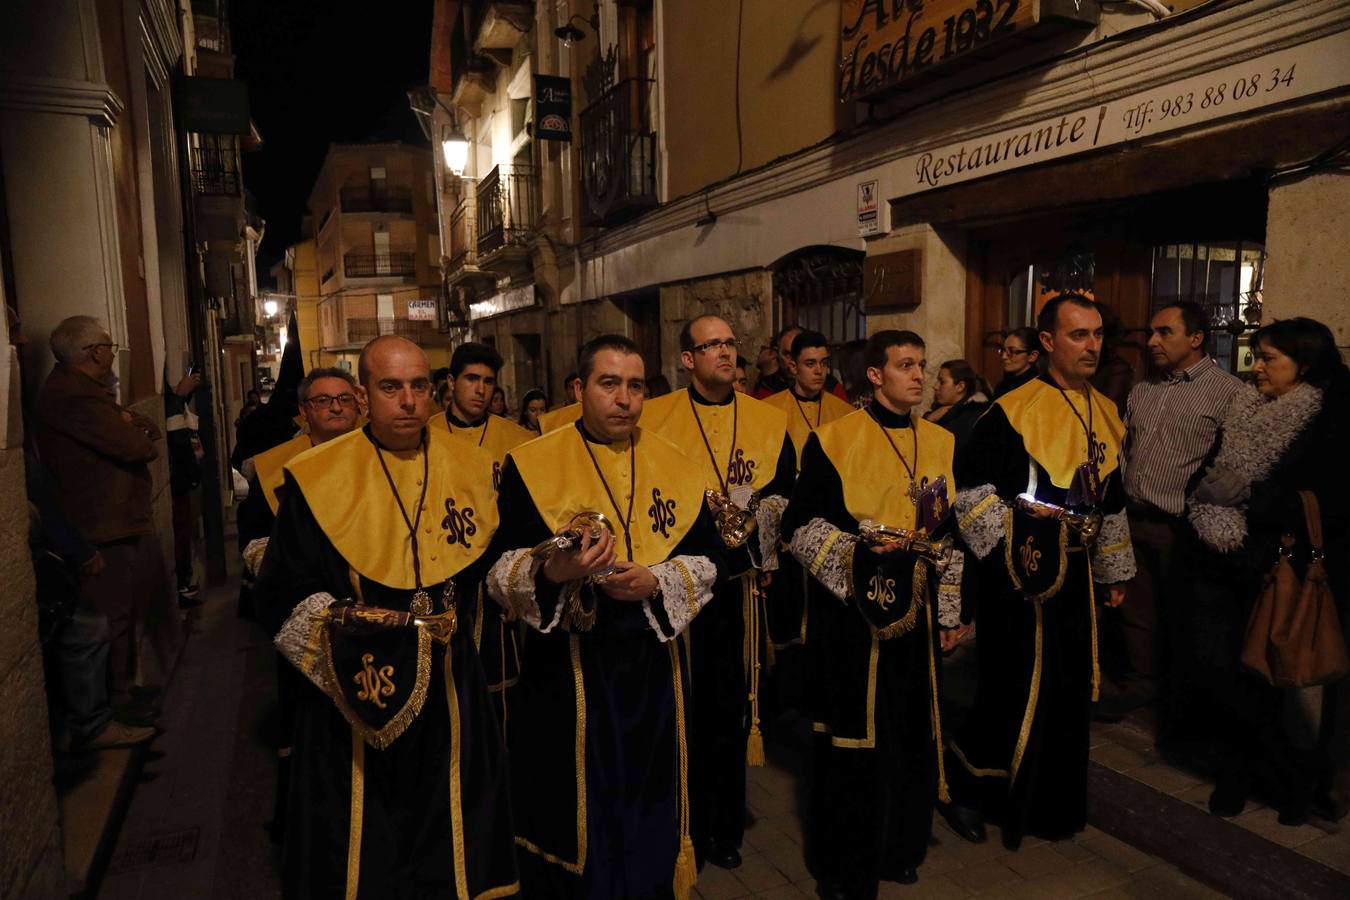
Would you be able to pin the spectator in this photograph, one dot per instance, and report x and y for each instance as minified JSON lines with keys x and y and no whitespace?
{"x":959,"y":399}
{"x":1020,"y":353}
{"x":766,"y":363}
{"x":657,"y":386}
{"x":740,"y":383}
{"x":185,"y":474}
{"x":443,"y":395}
{"x":99,"y":454}
{"x":1172,"y":424}
{"x":497,"y":406}
{"x":532,"y":406}
{"x":571,"y":389}
{"x":782,"y":378}
{"x":1287,"y":436}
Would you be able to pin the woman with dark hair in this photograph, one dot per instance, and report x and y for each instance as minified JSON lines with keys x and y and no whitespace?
{"x":1020,"y":352}
{"x":532,"y":406}
{"x":497,"y":406}
{"x":1286,"y":436}
{"x":959,"y":399}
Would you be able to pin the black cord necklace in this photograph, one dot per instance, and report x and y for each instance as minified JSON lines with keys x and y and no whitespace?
{"x":421,"y":602}
{"x":820,"y":401}
{"x":1087,"y":424}
{"x":912,"y":472}
{"x":731,"y":454}
{"x":481,"y":437}
{"x":632,"y":489}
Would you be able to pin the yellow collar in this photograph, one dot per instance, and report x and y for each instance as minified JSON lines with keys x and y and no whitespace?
{"x":804,"y":416}
{"x":557,"y":418}
{"x":759,"y":430}
{"x":268,"y":466}
{"x":1053,"y":432}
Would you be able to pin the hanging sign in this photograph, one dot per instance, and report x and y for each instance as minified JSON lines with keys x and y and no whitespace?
{"x":869,"y":208}
{"x":421,"y":310}
{"x":552,"y":108}
{"x":883,"y":43}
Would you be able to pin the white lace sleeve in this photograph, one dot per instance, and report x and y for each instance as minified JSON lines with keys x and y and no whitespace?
{"x":827,"y":554}
{"x":298,"y":639}
{"x":510,"y":581}
{"x":1113,"y":555}
{"x":253,"y":555}
{"x":686,"y":587}
{"x":770,"y":518}
{"x":949,"y":591}
{"x":979,"y":514}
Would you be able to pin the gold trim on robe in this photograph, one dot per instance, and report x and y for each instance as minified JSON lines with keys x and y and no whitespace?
{"x":1053,"y":435}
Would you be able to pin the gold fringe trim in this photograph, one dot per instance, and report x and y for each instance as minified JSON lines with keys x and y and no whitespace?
{"x":456,"y":797}
{"x":686,"y":870}
{"x":358,"y":815}
{"x":383,"y":737}
{"x":917,"y":598}
{"x":754,"y":743}
{"x":1032,"y":696}
{"x":1012,"y":571}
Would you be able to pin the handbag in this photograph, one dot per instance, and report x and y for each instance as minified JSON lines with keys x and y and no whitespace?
{"x":1294,"y":636}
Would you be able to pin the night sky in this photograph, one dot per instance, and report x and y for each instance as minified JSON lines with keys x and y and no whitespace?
{"x":320,"y":72}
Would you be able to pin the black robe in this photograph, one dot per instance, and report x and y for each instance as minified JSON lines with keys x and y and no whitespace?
{"x":410,"y":847}
{"x":613,"y":683}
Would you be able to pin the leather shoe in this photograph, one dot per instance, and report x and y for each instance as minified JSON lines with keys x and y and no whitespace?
{"x":965,"y":821}
{"x":723,"y":856}
{"x":1228,"y":799}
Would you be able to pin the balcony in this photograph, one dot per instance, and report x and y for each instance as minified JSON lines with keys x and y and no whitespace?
{"x":215,"y":172}
{"x":499,"y":24}
{"x":361,"y":331}
{"x":618,"y":154}
{"x":507,"y":213}
{"x":393,"y":264}
{"x":463,"y":265}
{"x":377,"y":199}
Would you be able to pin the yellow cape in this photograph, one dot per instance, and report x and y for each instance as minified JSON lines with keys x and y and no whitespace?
{"x":876,"y":484}
{"x":804,"y":416}
{"x":268,"y":466}
{"x":496,"y":437}
{"x":557,"y":418}
{"x":759,"y":435}
{"x":346,"y":489}
{"x":666,"y":500}
{"x":1053,"y":434}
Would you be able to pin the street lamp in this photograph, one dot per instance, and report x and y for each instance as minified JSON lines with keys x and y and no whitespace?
{"x":569,"y":34}
{"x":455,"y":146}
{"x":270,"y":307}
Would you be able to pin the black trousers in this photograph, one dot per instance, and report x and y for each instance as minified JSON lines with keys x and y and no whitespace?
{"x":720,"y":723}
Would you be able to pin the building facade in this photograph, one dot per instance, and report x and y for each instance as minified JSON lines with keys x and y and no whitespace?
{"x":376,"y":250}
{"x":943,"y":166}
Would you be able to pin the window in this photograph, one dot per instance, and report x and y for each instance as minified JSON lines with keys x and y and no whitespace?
{"x":1225,"y":278}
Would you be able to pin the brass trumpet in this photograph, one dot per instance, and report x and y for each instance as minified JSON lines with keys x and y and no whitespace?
{"x":937,"y":552}
{"x":734,"y":514}
{"x":590,"y":522}
{"x":1087,"y":527}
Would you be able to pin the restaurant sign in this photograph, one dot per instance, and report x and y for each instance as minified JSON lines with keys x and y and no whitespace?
{"x":884,"y":43}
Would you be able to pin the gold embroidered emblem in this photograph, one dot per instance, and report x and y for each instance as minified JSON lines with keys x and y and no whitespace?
{"x":374,"y":682}
{"x":1031,"y":557}
{"x":881,"y":591}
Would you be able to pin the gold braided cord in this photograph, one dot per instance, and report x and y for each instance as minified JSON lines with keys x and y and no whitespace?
{"x":358,"y":815}
{"x":686,"y":873}
{"x":977,"y":772}
{"x":1032,"y":696}
{"x":976,"y":511}
{"x":690,"y":588}
{"x":478,"y":622}
{"x":754,"y":752}
{"x":456,"y":797}
{"x":936,"y":712}
{"x":1092,"y":615}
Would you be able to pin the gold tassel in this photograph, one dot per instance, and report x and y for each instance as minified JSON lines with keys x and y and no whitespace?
{"x":1092,"y":614}
{"x":754,"y":747}
{"x":686,"y":871}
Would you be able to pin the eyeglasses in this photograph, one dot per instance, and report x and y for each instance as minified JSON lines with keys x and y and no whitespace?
{"x":729,"y":343}
{"x":1011,"y":351}
{"x":327,"y":400}
{"x":111,"y":347}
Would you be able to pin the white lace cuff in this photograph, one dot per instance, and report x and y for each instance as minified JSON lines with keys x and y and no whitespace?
{"x":827,"y":554}
{"x":686,"y":587}
{"x":770,"y":519}
{"x":949,"y":591}
{"x":510,"y":581}
{"x":298,"y":639}
{"x":979,"y":514}
{"x":253,"y":555}
{"x":1113,"y":555}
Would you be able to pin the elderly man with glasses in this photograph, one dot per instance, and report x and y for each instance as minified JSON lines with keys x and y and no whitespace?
{"x":99,"y":454}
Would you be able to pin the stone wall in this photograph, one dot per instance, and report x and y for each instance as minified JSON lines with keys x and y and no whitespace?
{"x":1307,"y":232}
{"x":743,"y":299}
{"x":30,"y":832}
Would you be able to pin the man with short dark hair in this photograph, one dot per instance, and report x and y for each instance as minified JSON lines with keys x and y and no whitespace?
{"x":1042,"y":505}
{"x":1173,"y":421}
{"x":745,"y":456}
{"x":570,"y":409}
{"x":368,"y":585}
{"x":599,"y":736}
{"x":781,"y":377}
{"x":877,"y":618}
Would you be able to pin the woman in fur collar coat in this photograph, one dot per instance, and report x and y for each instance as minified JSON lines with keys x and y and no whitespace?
{"x":1291,"y":434}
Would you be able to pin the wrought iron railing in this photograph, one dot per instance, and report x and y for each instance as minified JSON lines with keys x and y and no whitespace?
{"x":618,"y":153}
{"x":361,"y":330}
{"x":507,"y":207}
{"x":376,"y":198}
{"x":375,"y":265}
{"x":215,"y":171}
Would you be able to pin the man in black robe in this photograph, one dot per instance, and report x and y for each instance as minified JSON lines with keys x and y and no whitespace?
{"x":873,"y":634}
{"x":399,"y":780}
{"x":1050,"y":446}
{"x":598,"y":738}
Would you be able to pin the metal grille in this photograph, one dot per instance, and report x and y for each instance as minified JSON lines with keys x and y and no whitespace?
{"x":618,"y":153}
{"x":1223,"y":277}
{"x":508,"y":207}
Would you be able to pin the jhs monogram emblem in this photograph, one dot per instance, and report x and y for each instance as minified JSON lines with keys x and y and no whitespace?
{"x":496,"y":476}
{"x":459,"y":524}
{"x":741,"y":470}
{"x":662,"y":513}
{"x":374,"y":682}
{"x":1097,"y":450}
{"x":1031,"y":557}
{"x":882,"y":591}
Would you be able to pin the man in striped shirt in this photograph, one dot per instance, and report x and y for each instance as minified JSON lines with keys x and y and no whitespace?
{"x":1172,"y":425}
